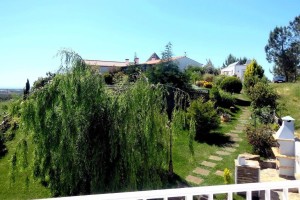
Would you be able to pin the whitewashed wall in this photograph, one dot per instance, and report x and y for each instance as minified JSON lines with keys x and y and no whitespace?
{"x":184,"y":62}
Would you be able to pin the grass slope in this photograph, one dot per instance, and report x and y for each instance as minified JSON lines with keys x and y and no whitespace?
{"x":17,"y":190}
{"x":184,"y":164}
{"x":290,"y":98}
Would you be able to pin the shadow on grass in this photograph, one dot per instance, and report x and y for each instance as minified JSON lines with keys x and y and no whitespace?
{"x":242,"y":102}
{"x":174,"y":181}
{"x":214,"y":138}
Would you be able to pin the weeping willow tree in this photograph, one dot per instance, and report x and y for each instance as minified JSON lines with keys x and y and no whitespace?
{"x":87,"y":140}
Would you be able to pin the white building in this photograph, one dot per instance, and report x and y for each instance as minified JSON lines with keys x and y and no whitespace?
{"x":235,"y":69}
{"x":182,"y":61}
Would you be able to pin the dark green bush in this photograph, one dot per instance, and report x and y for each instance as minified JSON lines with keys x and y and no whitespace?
{"x":205,"y":116}
{"x":214,"y":95}
{"x":108,"y":78}
{"x":227,"y":100}
{"x":231,"y":84}
{"x":3,"y":149}
{"x":218,"y":80}
{"x":261,"y":140}
{"x":263,"y":95}
{"x":221,"y":98}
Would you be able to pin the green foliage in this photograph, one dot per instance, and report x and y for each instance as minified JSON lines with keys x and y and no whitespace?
{"x":194,"y":73}
{"x":254,"y":69}
{"x":42,"y":81}
{"x":209,"y":68}
{"x":3,"y":149}
{"x":221,"y":98}
{"x":231,"y":84}
{"x":218,"y":80}
{"x":133,"y":72}
{"x":108,"y":78}
{"x":89,"y":140}
{"x":168,"y":74}
{"x":205,"y":116}
{"x":253,"y":74}
{"x":227,"y":100}
{"x":283,"y":49}
{"x":264,"y":114}
{"x":208,"y":84}
{"x":232,"y":59}
{"x":227,"y":176}
{"x":26,"y":90}
{"x":208,"y":77}
{"x":261,"y":140}
{"x":263,"y":95}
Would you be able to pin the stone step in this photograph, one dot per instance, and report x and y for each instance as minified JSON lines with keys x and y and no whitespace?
{"x":223,"y":153}
{"x":216,"y":158}
{"x":201,"y":171}
{"x":236,"y":131}
{"x":235,"y":145}
{"x":208,"y":164}
{"x":219,"y":173}
{"x":194,"y":179}
{"x":229,"y":149}
{"x":236,"y":139}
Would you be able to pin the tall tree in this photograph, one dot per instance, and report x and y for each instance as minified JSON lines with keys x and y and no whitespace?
{"x":167,"y":53}
{"x":283,"y":49}
{"x":253,"y":74}
{"x":229,"y":60}
{"x":232,"y":59}
{"x":209,"y":68}
{"x":26,"y":90}
{"x":88,"y":140}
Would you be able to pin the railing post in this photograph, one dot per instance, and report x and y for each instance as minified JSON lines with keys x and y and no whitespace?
{"x":229,"y":196}
{"x":189,"y":197}
{"x":267,"y":194}
{"x":285,"y":194}
{"x":249,"y":195}
{"x":211,"y":196}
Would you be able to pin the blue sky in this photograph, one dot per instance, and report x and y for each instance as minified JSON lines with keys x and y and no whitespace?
{"x":33,"y":31}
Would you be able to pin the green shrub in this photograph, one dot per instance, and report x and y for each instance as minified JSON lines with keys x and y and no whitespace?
{"x":227,"y":100}
{"x":218,"y":80}
{"x":205,"y":116}
{"x":227,"y":176}
{"x":214,"y":95}
{"x":261,"y":140}
{"x":263,"y":95}
{"x":231,"y":84}
{"x":208,"y":77}
{"x":208,"y":84}
{"x":108,"y":78}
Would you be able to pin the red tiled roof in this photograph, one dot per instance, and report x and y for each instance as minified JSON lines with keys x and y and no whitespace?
{"x":106,"y":63}
{"x":151,"y":62}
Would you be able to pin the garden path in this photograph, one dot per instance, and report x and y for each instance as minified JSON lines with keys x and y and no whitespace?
{"x":207,"y":167}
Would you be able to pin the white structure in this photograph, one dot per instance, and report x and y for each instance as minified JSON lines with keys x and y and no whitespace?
{"x":106,"y":66}
{"x":235,"y":69}
{"x":190,"y":193}
{"x":182,"y":61}
{"x":288,"y":150}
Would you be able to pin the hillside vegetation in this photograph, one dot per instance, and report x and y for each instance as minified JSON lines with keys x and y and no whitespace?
{"x":290,"y":100}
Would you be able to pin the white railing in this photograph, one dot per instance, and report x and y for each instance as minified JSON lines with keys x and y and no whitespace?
{"x":209,"y":191}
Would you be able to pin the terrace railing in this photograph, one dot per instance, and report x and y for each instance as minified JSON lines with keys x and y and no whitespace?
{"x":264,"y":188}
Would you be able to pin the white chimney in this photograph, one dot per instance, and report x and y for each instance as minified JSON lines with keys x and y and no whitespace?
{"x":127,"y":61}
{"x":136,"y":60}
{"x":286,"y":130}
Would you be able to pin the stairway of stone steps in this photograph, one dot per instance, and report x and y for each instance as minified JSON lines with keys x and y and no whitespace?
{"x":205,"y":168}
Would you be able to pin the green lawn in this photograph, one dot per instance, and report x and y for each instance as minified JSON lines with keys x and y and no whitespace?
{"x":290,"y":97}
{"x":17,"y":190}
{"x":184,"y":163}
